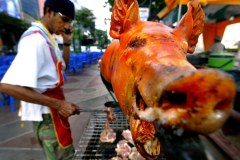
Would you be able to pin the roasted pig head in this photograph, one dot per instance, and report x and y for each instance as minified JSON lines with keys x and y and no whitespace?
{"x":155,"y":84}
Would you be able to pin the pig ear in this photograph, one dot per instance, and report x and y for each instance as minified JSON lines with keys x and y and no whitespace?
{"x":125,"y":13}
{"x":132,"y":16}
{"x":190,"y":26}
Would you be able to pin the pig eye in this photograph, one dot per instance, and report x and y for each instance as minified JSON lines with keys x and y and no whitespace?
{"x":137,"y":42}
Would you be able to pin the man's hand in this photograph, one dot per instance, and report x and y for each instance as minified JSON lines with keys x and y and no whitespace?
{"x":67,"y":109}
{"x":64,"y":108}
{"x":67,"y":36}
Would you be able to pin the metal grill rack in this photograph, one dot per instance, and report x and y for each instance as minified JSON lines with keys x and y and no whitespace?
{"x":90,"y":147}
{"x":173,"y":147}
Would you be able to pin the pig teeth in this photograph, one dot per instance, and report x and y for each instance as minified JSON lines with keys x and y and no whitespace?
{"x":179,"y":131}
{"x":150,"y":114}
{"x":152,"y":147}
{"x":183,"y":121}
{"x":135,"y":111}
{"x":196,"y":109}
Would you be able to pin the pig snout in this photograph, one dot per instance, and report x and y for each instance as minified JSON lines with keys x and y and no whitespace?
{"x":198,"y":101}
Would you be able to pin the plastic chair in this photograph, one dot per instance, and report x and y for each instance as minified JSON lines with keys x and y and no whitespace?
{"x":11,"y":103}
{"x":85,"y":59}
{"x":64,"y":76}
{"x":8,"y":59}
{"x":7,"y":100}
{"x":1,"y":101}
{"x":79,"y":62}
{"x":3,"y":70}
{"x":72,"y":63}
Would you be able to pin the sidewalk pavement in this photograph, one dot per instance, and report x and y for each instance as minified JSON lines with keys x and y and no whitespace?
{"x":84,"y":89}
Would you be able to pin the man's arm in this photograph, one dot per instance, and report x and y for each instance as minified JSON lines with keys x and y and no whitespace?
{"x":66,"y":54}
{"x":64,"y":108}
{"x":67,"y":38}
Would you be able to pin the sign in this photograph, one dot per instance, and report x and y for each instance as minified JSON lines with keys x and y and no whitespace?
{"x":11,"y":7}
{"x":144,"y":13}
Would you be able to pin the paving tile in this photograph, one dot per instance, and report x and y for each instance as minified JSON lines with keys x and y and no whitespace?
{"x":13,"y":129}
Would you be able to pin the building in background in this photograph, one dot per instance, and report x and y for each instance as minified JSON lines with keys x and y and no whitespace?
{"x":30,"y":10}
{"x":15,"y":18}
{"x":41,"y":4}
{"x":11,"y":8}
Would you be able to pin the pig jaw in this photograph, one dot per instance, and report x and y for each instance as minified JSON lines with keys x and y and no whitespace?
{"x":198,"y":102}
{"x":143,"y":134}
{"x":148,"y":88}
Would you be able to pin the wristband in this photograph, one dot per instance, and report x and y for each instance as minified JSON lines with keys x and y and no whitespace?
{"x":66,"y":44}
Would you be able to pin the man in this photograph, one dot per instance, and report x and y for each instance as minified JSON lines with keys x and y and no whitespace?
{"x":35,"y":77}
{"x":217,"y":47}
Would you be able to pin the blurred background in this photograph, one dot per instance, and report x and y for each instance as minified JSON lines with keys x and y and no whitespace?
{"x":93,"y":21}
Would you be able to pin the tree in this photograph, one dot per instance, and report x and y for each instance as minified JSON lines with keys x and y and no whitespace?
{"x":102,"y":39}
{"x":86,"y":31}
{"x":85,"y":22}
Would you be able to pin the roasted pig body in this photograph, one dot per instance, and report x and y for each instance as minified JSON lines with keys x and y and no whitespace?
{"x":153,"y":81}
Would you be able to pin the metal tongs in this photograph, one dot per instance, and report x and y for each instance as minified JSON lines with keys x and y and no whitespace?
{"x":112,"y":104}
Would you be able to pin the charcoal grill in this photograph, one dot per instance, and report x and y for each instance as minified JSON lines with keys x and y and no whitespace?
{"x":90,"y":147}
{"x":201,"y":148}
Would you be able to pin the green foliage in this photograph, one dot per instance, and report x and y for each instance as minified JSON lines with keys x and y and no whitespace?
{"x":86,"y":19}
{"x":111,"y":2}
{"x":85,"y":22}
{"x":102,"y":39}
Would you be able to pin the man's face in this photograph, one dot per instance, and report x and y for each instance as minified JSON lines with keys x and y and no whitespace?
{"x":61,"y":23}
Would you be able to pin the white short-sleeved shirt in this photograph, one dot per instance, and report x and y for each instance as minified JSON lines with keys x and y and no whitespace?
{"x":33,"y":67}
